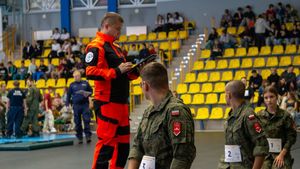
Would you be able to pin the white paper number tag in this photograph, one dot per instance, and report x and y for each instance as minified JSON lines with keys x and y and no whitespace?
{"x":246,"y":93}
{"x":274,"y":145}
{"x":148,"y":162}
{"x":232,"y":154}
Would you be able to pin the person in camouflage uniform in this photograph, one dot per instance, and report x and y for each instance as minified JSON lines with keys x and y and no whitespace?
{"x":166,"y":131}
{"x":33,"y":99}
{"x":277,"y":124}
{"x":245,"y":141}
{"x":2,"y":118}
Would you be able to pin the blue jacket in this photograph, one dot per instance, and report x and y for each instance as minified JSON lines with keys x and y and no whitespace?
{"x":74,"y":95}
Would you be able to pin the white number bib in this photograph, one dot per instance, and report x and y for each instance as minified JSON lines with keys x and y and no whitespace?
{"x":148,"y":162}
{"x":232,"y":153}
{"x":274,"y":145}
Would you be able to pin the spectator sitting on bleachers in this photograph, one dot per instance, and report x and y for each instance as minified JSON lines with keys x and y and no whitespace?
{"x":144,"y":52}
{"x":66,"y":48}
{"x":255,"y":80}
{"x":249,"y":92}
{"x":178,"y":21}
{"x":79,"y":66}
{"x":291,"y":14}
{"x":282,"y":87}
{"x":271,"y":11}
{"x":55,"y":34}
{"x":261,"y":89}
{"x":249,"y":13}
{"x":12,"y":71}
{"x":32,"y":67}
{"x":260,"y":30}
{"x":226,"y":40}
{"x":124,"y":51}
{"x":41,"y":71}
{"x":160,"y":21}
{"x":55,"y":74}
{"x":37,"y":50}
{"x":216,"y":50}
{"x":50,"y":70}
{"x":226,"y":18}
{"x":169,"y":23}
{"x":27,"y":51}
{"x":55,"y":50}
{"x":64,"y":34}
{"x":272,"y":20}
{"x":75,"y":47}
{"x":295,"y":34}
{"x":133,"y":51}
{"x":289,"y":75}
{"x":272,"y":36}
{"x":273,"y":79}
{"x":246,"y":38}
{"x":280,"y":12}
{"x":211,"y":38}
{"x":290,"y":104}
{"x":151,"y":49}
{"x":3,"y":72}
{"x":22,"y":71}
{"x":284,"y":36}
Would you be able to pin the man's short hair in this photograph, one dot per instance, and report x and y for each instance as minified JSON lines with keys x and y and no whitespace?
{"x":253,"y":71}
{"x":112,"y":18}
{"x":156,"y":75}
{"x":16,"y":83}
{"x":237,"y":89}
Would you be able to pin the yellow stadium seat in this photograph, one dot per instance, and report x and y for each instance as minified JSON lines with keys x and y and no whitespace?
{"x":194,"y":88}
{"x":41,"y":83}
{"x":60,"y":91}
{"x":219,"y":87}
{"x":220,"y":31}
{"x":69,"y":81}
{"x":239,"y":74}
{"x":289,"y":26}
{"x":227,"y":76}
{"x":241,"y":29}
{"x":229,"y":52}
{"x":246,"y":63}
{"x":290,"y":49}
{"x":216,"y":113}
{"x":231,"y":30}
{"x":277,"y":50}
{"x":10,"y":84}
{"x":214,"y":77}
{"x":202,"y":113}
{"x":193,"y":111}
{"x":161,"y":36}
{"x":198,"y":99}
{"x":227,"y":110}
{"x":255,"y":98}
{"x":202,"y":77}
{"x":152,"y":36}
{"x":61,"y":82}
{"x":241,"y":52}
{"x":122,"y":38}
{"x":280,"y":71}
{"x":91,"y":82}
{"x":296,"y":61}
{"x":47,"y":43}
{"x":234,"y":64}
{"x":285,"y":61}
{"x":296,"y":71}
{"x":27,"y":62}
{"x":211,"y":98}
{"x":22,"y":84}
{"x":253,"y":51}
{"x":136,"y":81}
{"x":17,"y":63}
{"x":164,"y":45}
{"x":198,"y":65}
{"x":265,"y":50}
{"x":205,"y":54}
{"x":50,"y":82}
{"x":132,"y":38}
{"x":181,"y":88}
{"x":142,"y":37}
{"x":222,"y":99}
{"x":272,"y":62}
{"x":190,"y":77}
{"x":137,"y":91}
{"x":55,"y":61}
{"x":265,"y":73}
{"x":206,"y":88}
{"x":37,"y":62}
{"x":46,"y":52}
{"x":175,"y":45}
{"x":211,"y":64}
{"x":85,"y":40}
{"x":187,"y":98}
{"x":183,"y":34}
{"x":222,"y":64}
{"x":259,"y":62}
{"x":173,"y":35}
{"x":257,"y":109}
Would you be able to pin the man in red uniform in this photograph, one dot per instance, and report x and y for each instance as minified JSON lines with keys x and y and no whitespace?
{"x":107,"y":66}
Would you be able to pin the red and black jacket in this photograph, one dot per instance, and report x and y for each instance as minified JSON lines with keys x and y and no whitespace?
{"x":103,"y":58}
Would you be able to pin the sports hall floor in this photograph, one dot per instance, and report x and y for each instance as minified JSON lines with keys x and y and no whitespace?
{"x":209,"y":147}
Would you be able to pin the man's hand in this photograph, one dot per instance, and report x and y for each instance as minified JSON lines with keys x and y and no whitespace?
{"x":124,"y":67}
{"x":279,"y":161}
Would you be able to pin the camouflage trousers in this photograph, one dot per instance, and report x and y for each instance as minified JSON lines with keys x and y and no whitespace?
{"x":268,"y":163}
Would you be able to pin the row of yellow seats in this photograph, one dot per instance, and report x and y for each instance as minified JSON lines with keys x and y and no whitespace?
{"x":244,"y":63}
{"x":168,"y":45}
{"x":226,"y":76}
{"x":216,"y":113}
{"x":254,"y":51}
{"x":208,"y":99}
{"x":205,"y":88}
{"x":54,"y":61}
{"x":154,"y":36}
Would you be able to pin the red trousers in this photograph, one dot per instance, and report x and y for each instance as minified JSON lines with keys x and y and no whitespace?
{"x":113,"y":135}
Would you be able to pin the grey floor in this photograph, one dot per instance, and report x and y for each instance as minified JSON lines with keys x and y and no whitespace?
{"x":209,"y":147}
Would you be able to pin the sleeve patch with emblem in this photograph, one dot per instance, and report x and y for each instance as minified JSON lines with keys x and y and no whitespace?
{"x":176,"y":128}
{"x":91,"y":58}
{"x":251,"y":117}
{"x":175,"y":113}
{"x":257,"y":127}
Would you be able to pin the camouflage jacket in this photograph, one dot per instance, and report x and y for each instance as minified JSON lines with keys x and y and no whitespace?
{"x":243,"y":128}
{"x":33,"y":98}
{"x":166,"y":133}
